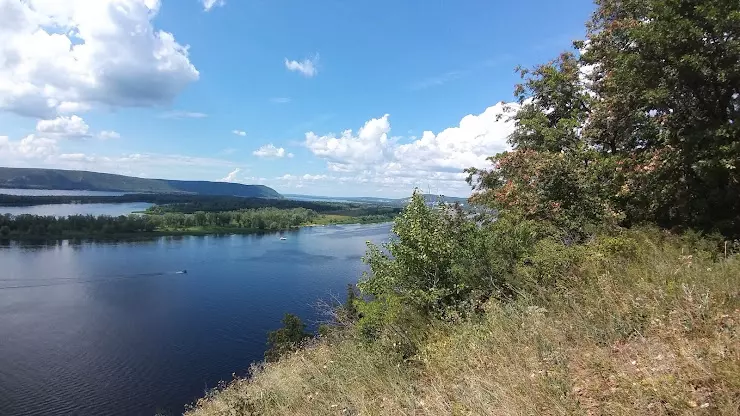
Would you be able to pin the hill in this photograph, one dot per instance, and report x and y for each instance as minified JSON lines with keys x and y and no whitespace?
{"x":31,"y":178}
{"x":644,"y":324}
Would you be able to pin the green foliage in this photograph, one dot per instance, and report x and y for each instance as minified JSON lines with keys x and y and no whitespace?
{"x":550,"y":263}
{"x":286,"y":339}
{"x":445,"y":263}
{"x":420,"y":264}
{"x":4,"y":231}
{"x":349,"y":310}
{"x":265,"y":219}
{"x":669,"y":76}
{"x":642,"y":127}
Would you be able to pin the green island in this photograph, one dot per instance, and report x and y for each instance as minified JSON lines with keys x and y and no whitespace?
{"x":606,"y":280}
{"x":177,"y":220}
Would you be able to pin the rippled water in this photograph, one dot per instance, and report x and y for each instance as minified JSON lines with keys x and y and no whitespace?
{"x":112,"y":329}
{"x":71,"y":209}
{"x":63,"y":210}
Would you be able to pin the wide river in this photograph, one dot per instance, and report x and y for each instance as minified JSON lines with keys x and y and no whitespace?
{"x":112,"y":329}
{"x":63,"y":210}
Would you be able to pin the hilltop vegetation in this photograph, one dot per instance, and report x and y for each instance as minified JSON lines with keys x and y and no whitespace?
{"x":393,"y":202}
{"x":608,"y":281}
{"x":244,"y":221}
{"x":641,"y":323}
{"x":25,"y":178}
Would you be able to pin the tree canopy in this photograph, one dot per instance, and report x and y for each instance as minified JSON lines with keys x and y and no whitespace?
{"x":640,"y":125}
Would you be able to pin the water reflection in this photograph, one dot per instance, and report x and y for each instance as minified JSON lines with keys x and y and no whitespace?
{"x":111,"y":328}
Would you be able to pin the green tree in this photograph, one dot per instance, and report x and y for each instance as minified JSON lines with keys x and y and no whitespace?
{"x":4,"y":231}
{"x":552,"y":173}
{"x":642,"y":127}
{"x":429,"y":263}
{"x":286,"y":339}
{"x":668,"y":80}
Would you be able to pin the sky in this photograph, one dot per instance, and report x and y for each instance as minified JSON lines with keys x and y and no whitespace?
{"x":330,"y":97}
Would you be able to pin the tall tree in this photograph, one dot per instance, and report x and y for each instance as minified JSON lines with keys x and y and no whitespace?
{"x":667,"y":77}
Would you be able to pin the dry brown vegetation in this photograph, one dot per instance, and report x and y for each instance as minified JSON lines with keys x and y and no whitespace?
{"x":651,"y":329}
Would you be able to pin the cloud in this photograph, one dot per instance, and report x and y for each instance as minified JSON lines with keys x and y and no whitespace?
{"x":309,"y":177}
{"x":307,"y":67}
{"x":239,"y":132}
{"x":63,"y":127}
{"x":210,"y":4}
{"x":30,"y":147}
{"x":179,"y":115}
{"x":70,"y":56}
{"x":108,"y":134}
{"x":369,"y":146}
{"x":270,"y":151}
{"x":433,"y":160}
{"x":280,"y":100}
{"x":76,"y":157}
{"x":231,"y":177}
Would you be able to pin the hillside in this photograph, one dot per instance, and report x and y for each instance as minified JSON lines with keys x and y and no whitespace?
{"x":641,"y":324}
{"x":395,"y":202}
{"x":25,"y":178}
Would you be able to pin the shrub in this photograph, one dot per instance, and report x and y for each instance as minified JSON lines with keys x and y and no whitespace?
{"x":286,"y":339}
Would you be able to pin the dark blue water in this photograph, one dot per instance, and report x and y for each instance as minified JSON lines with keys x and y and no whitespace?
{"x":63,"y":210}
{"x":112,"y":329}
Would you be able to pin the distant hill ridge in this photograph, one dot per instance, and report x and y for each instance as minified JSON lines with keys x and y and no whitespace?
{"x":430,"y":198}
{"x":59,"y":179}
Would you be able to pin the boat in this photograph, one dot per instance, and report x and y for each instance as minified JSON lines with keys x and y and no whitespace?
{"x":283,"y":238}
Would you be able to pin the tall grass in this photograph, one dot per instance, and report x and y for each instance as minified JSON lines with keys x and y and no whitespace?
{"x":641,"y":324}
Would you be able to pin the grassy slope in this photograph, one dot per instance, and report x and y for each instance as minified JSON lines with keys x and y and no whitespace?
{"x":656,"y":334}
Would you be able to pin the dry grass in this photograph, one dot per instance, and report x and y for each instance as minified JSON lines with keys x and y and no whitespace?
{"x":655,"y":334}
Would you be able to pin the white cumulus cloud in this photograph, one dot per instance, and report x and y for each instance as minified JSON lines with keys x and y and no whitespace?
{"x":269,"y":150}
{"x":68,"y":56}
{"x":431,"y":161}
{"x":30,"y":147}
{"x":370,"y":145}
{"x":231,"y":177}
{"x":109,"y":134}
{"x":239,"y":132}
{"x":307,"y":67}
{"x":63,"y":126}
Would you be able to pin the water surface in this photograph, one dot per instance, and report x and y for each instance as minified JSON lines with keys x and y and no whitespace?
{"x":112,"y":328}
{"x":63,"y":210}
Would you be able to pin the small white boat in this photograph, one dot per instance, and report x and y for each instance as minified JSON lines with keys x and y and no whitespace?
{"x":283,"y":238}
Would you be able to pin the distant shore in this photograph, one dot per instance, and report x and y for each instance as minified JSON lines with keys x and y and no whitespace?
{"x":193,"y":231}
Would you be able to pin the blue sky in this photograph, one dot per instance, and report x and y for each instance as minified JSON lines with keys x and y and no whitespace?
{"x":335,"y":97}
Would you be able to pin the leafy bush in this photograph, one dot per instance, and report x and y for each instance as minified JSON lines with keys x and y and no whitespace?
{"x":286,"y":339}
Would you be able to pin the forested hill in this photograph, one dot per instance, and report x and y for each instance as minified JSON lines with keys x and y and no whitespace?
{"x":93,"y":181}
{"x":401,"y":202}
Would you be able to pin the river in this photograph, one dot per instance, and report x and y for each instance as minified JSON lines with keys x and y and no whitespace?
{"x":111,"y":328}
{"x":63,"y":210}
